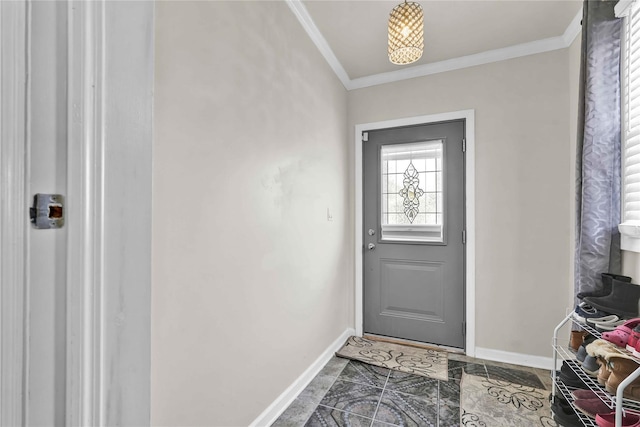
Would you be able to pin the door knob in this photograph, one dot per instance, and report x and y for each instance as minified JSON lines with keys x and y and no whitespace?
{"x":371,"y":246}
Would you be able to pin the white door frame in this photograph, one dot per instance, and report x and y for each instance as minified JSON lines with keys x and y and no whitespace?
{"x":470,"y":285}
{"x":13,"y":209}
{"x":107,"y":212}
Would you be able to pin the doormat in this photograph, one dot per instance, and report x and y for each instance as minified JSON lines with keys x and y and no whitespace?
{"x":420,"y":361}
{"x":489,"y":402}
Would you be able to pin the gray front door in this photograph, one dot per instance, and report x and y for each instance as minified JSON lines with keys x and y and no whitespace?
{"x":413,"y":219}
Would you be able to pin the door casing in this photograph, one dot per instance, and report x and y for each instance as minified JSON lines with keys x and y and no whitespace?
{"x":469,"y":117}
{"x":13,"y":209}
{"x":107,"y":211}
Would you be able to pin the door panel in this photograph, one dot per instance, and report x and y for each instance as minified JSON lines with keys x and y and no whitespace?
{"x":411,"y":290}
{"x":413,"y":219}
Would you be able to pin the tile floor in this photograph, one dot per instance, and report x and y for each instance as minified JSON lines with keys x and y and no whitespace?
{"x":350,"y":393}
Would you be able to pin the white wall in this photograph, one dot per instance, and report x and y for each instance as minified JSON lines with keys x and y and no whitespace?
{"x":250,"y":280}
{"x":522,"y":186}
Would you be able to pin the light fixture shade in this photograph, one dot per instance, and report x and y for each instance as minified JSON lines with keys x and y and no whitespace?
{"x":406,"y":33}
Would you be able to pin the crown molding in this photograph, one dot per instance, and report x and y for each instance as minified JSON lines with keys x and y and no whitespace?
{"x":300,"y":11}
{"x":517,"y":51}
{"x":574,"y":28}
{"x":487,"y":57}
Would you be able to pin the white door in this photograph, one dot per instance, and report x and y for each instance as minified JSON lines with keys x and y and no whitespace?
{"x":46,"y":292}
{"x":86,"y":353}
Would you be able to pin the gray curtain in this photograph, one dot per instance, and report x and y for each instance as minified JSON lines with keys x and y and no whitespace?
{"x":598,"y":153}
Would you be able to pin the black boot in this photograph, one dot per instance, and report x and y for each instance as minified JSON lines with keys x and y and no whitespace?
{"x":563,"y":413}
{"x":623,"y":300}
{"x":607,"y":283}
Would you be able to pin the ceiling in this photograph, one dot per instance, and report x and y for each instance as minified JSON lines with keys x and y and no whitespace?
{"x":455,"y":32}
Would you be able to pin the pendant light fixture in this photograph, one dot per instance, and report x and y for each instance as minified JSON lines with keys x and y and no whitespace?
{"x":406,"y":33}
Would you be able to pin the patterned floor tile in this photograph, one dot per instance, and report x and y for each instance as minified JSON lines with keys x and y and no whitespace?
{"x":363,"y":373}
{"x":334,"y":366}
{"x":449,"y":416}
{"x":317,"y":388}
{"x":456,"y":367}
{"x":296,"y":414}
{"x":329,"y":417}
{"x":352,"y":397}
{"x":392,"y":398}
{"x":515,"y":376}
{"x":449,"y":392}
{"x":401,"y":409}
{"x":412,"y":384}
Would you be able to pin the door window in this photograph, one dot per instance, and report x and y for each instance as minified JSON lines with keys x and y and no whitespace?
{"x":412,"y":207}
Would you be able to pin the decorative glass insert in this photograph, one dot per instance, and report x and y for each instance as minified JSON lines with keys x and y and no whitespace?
{"x":412,"y":192}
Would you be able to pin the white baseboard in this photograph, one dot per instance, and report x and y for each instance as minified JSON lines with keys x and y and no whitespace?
{"x":515,"y":358}
{"x":282,"y":402}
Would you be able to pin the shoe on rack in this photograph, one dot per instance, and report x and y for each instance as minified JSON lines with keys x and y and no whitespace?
{"x":620,"y":335}
{"x":577,"y":339}
{"x":604,"y":324}
{"x":584,"y":311}
{"x":590,"y":366}
{"x":608,"y":327}
{"x":629,"y":419}
{"x":564,"y":414}
{"x":584,"y":394}
{"x":612,"y":318}
{"x":603,"y":349}
{"x":581,"y":354}
{"x":621,"y":367}
{"x":591,"y":407}
{"x":623,"y":299}
{"x":603,"y":372}
{"x":569,"y":377}
{"x":605,"y":289}
{"x":633,"y":338}
{"x":636,"y":350}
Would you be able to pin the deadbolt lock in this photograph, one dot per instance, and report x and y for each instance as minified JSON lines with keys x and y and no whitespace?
{"x":47,"y":211}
